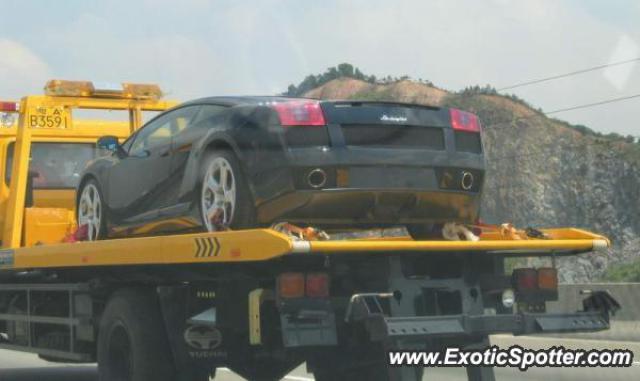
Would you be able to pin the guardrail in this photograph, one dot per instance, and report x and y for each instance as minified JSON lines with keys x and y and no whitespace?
{"x":625,"y":325}
{"x":627,"y":294}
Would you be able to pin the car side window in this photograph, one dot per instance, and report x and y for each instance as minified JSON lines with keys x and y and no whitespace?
{"x":160,"y":131}
{"x":208,"y":115}
{"x":126,"y":146}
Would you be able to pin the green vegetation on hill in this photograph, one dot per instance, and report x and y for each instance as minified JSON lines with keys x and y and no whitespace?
{"x":343,"y":70}
{"x":584,"y":130}
{"x":623,"y":272}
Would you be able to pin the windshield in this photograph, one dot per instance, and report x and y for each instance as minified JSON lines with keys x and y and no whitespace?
{"x":54,"y":165}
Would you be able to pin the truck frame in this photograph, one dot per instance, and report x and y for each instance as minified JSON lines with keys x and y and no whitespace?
{"x":261,"y":302}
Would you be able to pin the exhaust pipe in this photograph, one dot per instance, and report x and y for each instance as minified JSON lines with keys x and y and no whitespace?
{"x":316,"y":178}
{"x":467,"y":180}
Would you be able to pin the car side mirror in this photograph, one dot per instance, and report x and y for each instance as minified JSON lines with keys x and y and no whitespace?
{"x":109,"y":143}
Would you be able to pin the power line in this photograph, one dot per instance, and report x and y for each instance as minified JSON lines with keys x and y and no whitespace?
{"x":594,"y":68}
{"x":582,"y":106}
{"x":594,"y":104}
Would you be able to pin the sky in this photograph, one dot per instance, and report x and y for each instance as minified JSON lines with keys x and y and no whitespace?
{"x":196,"y":48}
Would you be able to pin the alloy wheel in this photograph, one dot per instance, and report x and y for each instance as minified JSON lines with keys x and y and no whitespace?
{"x":90,"y":211}
{"x":218,"y":197}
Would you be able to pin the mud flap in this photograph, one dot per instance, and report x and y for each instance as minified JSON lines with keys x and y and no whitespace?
{"x":309,"y":328}
{"x":195,"y":340}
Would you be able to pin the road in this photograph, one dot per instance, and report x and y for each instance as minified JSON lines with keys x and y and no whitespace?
{"x":25,"y":367}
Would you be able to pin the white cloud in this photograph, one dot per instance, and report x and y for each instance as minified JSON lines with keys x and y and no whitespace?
{"x":21,"y":70}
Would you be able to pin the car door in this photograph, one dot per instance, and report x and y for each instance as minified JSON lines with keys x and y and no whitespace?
{"x":138,"y":182}
{"x":207,"y":117}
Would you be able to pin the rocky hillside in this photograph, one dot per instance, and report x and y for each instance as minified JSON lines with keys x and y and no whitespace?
{"x":541,"y":171}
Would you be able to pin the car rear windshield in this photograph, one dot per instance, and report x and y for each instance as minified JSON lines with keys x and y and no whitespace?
{"x":54,"y":165}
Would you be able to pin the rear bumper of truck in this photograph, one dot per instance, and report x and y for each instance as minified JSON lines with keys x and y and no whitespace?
{"x":321,"y":330}
{"x":426,"y":327}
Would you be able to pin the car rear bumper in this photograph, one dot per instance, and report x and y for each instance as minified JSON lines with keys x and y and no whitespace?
{"x":365,"y":207}
{"x":371,"y":186}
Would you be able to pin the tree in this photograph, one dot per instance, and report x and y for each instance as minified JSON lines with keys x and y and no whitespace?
{"x":343,"y":70}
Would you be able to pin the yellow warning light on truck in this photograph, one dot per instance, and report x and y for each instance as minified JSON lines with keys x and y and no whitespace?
{"x":64,"y":88}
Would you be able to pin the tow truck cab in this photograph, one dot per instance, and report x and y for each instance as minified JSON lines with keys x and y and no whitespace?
{"x":59,"y":141}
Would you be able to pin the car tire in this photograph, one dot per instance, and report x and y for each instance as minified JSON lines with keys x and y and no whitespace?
{"x":132,"y":340}
{"x":91,"y":211}
{"x":225,"y":202}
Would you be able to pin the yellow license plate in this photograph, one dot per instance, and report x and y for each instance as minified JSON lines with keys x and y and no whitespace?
{"x":48,"y":117}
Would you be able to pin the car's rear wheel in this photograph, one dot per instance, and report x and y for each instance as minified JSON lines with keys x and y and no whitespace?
{"x":225,"y":199}
{"x":90,"y":211}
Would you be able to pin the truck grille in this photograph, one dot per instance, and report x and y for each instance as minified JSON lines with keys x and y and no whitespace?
{"x":394,"y":136}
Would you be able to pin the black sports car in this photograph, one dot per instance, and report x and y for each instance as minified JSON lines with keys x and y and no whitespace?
{"x":251,"y":161}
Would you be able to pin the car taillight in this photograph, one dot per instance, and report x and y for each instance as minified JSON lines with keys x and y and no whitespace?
{"x":300,"y":113}
{"x":291,"y":285}
{"x":9,"y":106}
{"x":317,"y":285}
{"x":547,"y":278}
{"x":464,"y":121}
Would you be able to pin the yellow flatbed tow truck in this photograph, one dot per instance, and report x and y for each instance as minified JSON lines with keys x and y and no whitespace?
{"x":261,"y":302}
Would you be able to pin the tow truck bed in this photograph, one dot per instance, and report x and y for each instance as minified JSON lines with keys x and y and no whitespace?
{"x":266,"y":244}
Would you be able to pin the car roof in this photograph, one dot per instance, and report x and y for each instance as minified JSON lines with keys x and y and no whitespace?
{"x":241,"y":100}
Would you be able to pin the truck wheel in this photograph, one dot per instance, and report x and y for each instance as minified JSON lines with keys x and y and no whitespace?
{"x":132,"y":342}
{"x":225,"y":198}
{"x":90,"y":211}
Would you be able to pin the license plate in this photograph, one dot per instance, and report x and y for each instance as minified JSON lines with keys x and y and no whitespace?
{"x":48,"y":117}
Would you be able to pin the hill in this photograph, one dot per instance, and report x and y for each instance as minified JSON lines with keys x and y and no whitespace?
{"x":540,"y":171}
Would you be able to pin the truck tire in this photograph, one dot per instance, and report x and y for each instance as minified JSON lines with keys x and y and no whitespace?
{"x":132,"y":341}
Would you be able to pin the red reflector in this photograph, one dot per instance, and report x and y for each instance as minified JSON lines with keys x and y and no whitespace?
{"x":291,"y":285}
{"x":464,"y":121}
{"x":300,"y":113}
{"x":317,"y":285}
{"x":547,"y":278}
{"x":526,"y":279}
{"x":8,"y":106}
